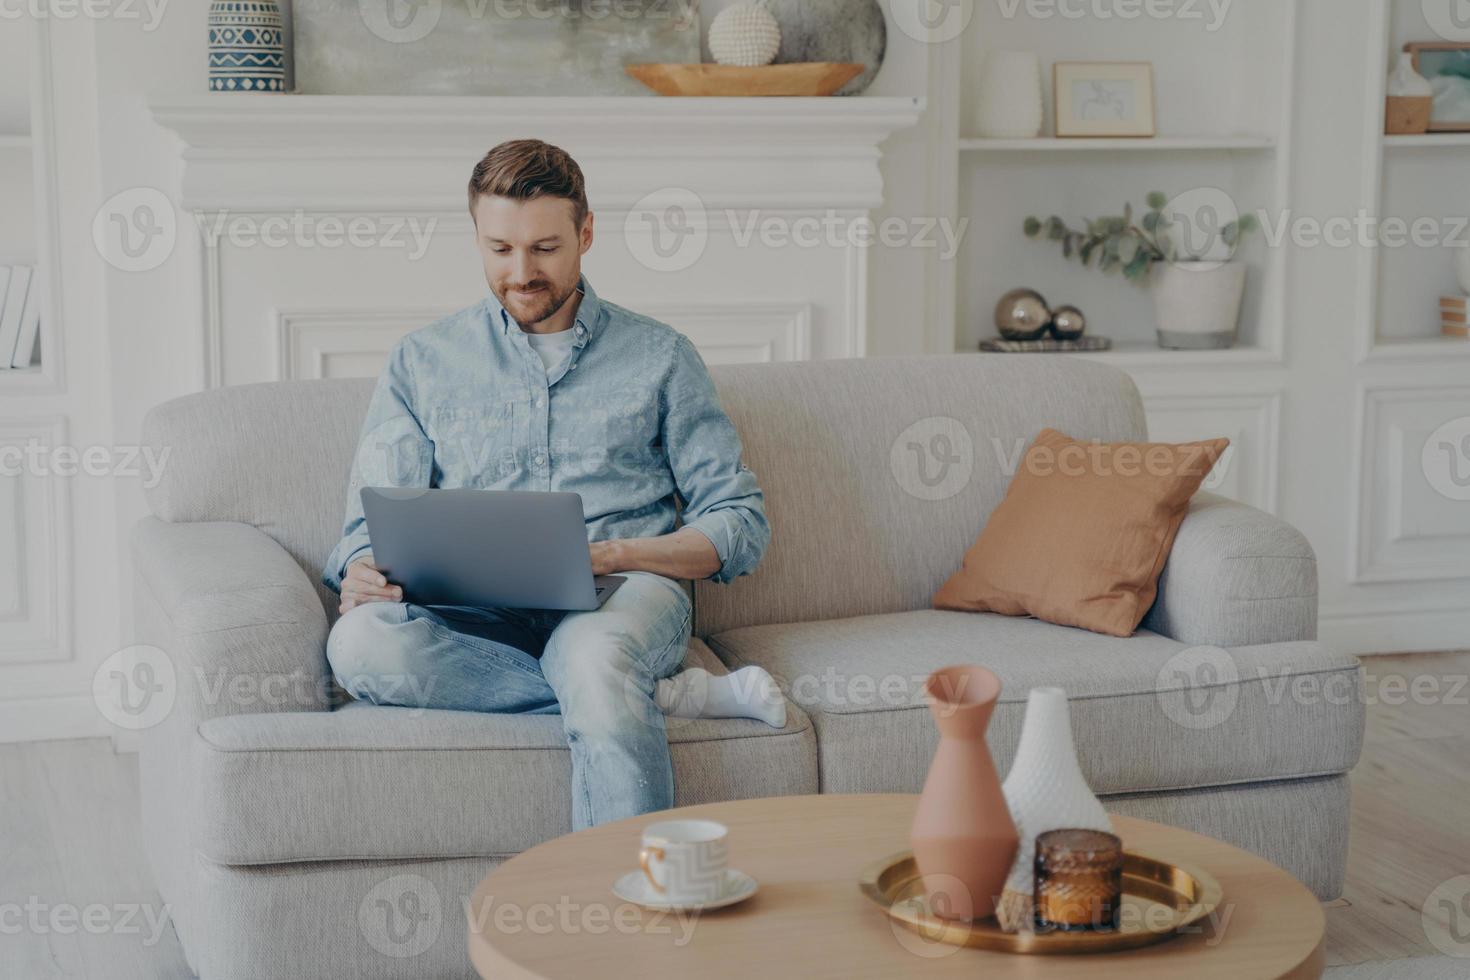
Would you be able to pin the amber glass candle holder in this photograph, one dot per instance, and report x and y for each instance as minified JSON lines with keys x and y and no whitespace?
{"x":1079,"y":880}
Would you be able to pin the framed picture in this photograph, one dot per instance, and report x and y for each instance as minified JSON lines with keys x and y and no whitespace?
{"x":1447,"y":66}
{"x":1104,"y":98}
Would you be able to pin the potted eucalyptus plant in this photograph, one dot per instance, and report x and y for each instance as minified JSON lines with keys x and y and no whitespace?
{"x":1197,"y":294}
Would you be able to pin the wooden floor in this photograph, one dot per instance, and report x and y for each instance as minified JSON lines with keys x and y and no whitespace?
{"x":70,"y":840}
{"x":1411,"y":807}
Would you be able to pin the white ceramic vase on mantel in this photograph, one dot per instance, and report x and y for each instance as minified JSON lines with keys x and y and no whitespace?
{"x":1045,"y":790}
{"x":1009,"y":102}
{"x":1197,"y":304}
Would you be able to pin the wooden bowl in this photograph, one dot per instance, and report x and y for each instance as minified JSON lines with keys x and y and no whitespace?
{"x":802,"y":79}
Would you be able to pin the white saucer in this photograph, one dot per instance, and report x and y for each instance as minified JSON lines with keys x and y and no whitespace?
{"x":634,"y":887}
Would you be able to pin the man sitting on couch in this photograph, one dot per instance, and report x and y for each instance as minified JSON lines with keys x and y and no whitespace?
{"x":495,"y":397}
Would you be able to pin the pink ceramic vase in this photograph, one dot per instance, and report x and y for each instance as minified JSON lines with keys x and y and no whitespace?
{"x":963,"y":839}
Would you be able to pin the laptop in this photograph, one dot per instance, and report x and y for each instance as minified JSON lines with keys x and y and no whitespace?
{"x":516,"y":549}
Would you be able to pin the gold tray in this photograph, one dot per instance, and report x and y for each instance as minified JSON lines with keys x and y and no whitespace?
{"x":1159,"y":900}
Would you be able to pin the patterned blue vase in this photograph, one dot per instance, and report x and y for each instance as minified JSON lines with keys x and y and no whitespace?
{"x":246,"y":49}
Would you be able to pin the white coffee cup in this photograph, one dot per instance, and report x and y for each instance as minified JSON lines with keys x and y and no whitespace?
{"x":685,"y":860}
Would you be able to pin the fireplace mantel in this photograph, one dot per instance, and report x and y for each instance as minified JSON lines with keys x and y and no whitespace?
{"x":266,"y":153}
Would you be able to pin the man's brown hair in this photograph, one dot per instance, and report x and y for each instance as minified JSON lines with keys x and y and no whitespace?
{"x":527,"y":169}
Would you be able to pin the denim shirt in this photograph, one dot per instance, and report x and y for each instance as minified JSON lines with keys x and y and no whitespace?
{"x":466,"y":402}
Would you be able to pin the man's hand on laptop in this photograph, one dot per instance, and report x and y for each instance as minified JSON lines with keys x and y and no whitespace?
{"x":364,"y":583}
{"x":682,"y":554}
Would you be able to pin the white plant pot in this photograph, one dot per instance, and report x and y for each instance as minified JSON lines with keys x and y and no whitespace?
{"x":1462,"y":265}
{"x":1197,"y":304}
{"x":1009,"y":100}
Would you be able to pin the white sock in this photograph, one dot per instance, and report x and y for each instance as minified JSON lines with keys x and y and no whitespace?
{"x":749,"y":692}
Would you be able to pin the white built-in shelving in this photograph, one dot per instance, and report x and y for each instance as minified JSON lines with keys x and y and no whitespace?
{"x":1412,"y":178}
{"x":1218,"y":128}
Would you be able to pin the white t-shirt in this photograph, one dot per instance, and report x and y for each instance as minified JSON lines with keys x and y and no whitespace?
{"x":553,"y":348}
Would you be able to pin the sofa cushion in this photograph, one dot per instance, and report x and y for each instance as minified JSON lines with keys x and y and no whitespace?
{"x":1083,"y":532}
{"x":367,"y":782}
{"x":1148,"y":713}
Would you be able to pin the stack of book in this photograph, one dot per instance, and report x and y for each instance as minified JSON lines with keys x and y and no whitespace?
{"x":20,"y":314}
{"x":1452,"y":319}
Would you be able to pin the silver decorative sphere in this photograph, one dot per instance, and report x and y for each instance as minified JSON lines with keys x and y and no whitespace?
{"x":1022,"y":314}
{"x":1068,"y":323}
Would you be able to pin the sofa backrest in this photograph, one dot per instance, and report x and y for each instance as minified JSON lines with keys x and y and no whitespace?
{"x":878,"y":473}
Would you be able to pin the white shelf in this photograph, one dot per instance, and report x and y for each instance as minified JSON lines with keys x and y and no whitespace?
{"x":408,"y":152}
{"x":1433,"y":348}
{"x":1427,"y":141}
{"x":1162,"y":144}
{"x":1143,"y":354}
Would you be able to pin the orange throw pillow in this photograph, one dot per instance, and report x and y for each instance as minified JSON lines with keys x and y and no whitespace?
{"x":1083,"y":532}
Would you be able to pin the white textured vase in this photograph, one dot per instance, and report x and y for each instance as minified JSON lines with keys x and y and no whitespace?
{"x":1009,"y":101}
{"x":1197,"y":304}
{"x":1045,"y":790}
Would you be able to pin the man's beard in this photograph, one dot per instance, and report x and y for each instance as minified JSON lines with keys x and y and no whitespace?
{"x":549,"y":302}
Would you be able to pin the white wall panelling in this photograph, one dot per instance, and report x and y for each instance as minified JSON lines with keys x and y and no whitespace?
{"x":341,"y":343}
{"x":1248,"y":471}
{"x":35,"y":543}
{"x":1408,"y":530}
{"x":348,"y":343}
{"x":739,"y":333}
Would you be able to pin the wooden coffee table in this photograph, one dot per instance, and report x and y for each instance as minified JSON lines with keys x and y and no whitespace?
{"x":550,"y":911}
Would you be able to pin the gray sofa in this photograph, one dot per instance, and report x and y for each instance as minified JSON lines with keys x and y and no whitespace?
{"x":273,"y":806}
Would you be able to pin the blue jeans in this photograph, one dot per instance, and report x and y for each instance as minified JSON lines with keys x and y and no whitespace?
{"x":597,"y":669}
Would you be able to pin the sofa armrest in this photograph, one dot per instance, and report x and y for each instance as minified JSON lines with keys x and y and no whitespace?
{"x":240,"y":622}
{"x":1236,"y":577}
